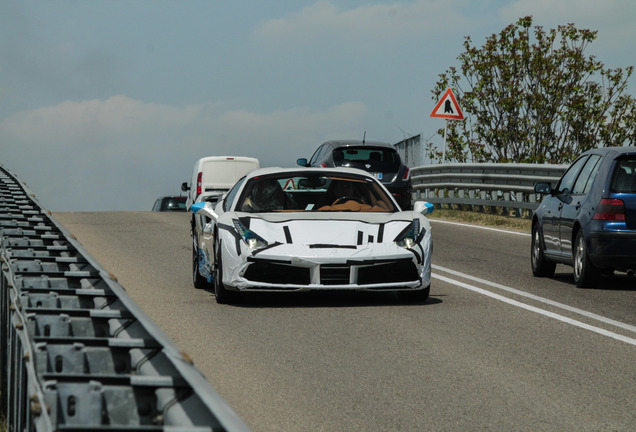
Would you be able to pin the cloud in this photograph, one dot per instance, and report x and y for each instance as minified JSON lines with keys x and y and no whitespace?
{"x":380,"y":23}
{"x":77,"y":124}
{"x":121,"y":153}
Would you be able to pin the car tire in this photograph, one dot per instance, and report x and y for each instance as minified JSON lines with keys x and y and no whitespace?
{"x":221,"y":294}
{"x":198,"y":281}
{"x":541,"y":267}
{"x":585,"y":274}
{"x":418,"y":295}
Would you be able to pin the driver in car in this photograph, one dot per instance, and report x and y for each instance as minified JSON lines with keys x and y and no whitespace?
{"x":344,"y":189}
{"x":342,"y":195}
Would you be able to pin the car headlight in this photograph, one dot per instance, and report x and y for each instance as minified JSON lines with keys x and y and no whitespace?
{"x":251,"y":239}
{"x":409,"y":236}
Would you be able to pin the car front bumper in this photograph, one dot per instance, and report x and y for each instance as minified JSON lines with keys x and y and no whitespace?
{"x":288,"y":267}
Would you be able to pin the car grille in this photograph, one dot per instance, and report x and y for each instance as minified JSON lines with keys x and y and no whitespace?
{"x":378,"y":273}
{"x":335,"y":274}
{"x":396,"y":271}
{"x":277,"y":274}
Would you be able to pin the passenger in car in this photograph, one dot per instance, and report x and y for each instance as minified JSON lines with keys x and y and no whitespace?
{"x":265,"y":195}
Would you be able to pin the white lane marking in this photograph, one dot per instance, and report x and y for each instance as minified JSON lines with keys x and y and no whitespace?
{"x":480,"y":227}
{"x":553,"y":315}
{"x":539,"y":299}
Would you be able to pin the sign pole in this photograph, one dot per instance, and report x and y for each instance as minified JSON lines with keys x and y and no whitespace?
{"x":445,"y":128}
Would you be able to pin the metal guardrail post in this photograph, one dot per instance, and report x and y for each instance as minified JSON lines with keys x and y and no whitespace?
{"x":77,"y":352}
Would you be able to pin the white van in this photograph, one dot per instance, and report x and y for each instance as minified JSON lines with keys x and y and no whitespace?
{"x":211,"y":178}
{"x":214,"y":175}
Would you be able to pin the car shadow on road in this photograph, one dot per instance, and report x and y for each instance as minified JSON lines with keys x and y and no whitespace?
{"x":327,"y":299}
{"x":616,"y":282}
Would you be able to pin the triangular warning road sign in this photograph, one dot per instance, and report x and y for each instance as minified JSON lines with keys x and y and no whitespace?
{"x":290,"y":185}
{"x":448,"y":108}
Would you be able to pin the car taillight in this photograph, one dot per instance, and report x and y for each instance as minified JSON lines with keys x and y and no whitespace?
{"x":322,"y":165}
{"x":407,"y":172}
{"x":199,"y":184}
{"x":610,"y":210}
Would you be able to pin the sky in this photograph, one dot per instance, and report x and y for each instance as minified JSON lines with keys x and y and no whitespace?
{"x":105,"y":105}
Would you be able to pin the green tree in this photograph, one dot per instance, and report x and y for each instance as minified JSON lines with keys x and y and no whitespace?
{"x":533,"y":96}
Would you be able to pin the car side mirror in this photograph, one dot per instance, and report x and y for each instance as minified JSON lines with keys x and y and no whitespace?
{"x":207,"y":228}
{"x":423,"y":207}
{"x":543,"y":188}
{"x":302,"y":162}
{"x":185,"y":187}
{"x":205,"y":209}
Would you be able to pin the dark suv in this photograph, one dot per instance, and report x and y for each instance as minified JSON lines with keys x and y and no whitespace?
{"x":588,"y":220}
{"x":378,"y":158}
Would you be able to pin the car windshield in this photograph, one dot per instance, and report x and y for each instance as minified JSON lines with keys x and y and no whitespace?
{"x":368,"y":158}
{"x":174,"y":204}
{"x":300,"y":192}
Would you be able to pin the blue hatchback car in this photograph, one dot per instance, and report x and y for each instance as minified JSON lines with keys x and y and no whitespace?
{"x":588,"y":220}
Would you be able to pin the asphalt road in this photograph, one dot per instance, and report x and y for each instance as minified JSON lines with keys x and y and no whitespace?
{"x":492,"y":349}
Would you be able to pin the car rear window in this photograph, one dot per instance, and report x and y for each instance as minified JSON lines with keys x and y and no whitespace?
{"x":368,"y":158}
{"x":624,"y":179}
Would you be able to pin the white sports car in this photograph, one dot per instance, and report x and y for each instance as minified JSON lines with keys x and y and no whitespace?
{"x":300,"y":229}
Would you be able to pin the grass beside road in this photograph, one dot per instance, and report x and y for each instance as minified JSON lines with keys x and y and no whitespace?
{"x":485,"y":219}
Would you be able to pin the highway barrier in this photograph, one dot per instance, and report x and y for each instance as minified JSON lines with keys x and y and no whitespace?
{"x":77,"y":353}
{"x":481,"y":186}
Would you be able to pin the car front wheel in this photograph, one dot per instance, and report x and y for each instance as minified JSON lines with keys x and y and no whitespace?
{"x":541,"y":267}
{"x":222,"y":295}
{"x":585,"y":274}
{"x":199,"y":281}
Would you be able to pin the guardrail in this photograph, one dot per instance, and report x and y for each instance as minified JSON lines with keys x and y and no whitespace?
{"x":484,"y":186}
{"x":77,"y":353}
